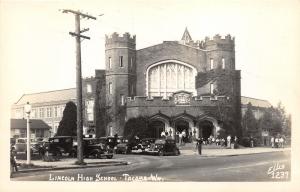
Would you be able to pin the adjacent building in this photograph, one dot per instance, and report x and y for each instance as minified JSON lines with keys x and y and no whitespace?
{"x":38,"y":128}
{"x":46,"y":106}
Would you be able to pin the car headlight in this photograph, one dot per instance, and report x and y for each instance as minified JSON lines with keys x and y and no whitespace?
{"x":115,"y":147}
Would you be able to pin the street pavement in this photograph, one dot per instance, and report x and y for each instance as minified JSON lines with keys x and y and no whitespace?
{"x":271,"y":166}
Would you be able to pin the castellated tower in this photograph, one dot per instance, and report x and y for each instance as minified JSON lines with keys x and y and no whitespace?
{"x":221,"y":52}
{"x":220,"y":76}
{"x":120,"y":57}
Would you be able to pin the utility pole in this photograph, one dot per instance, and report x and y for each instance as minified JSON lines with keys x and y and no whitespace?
{"x":78,"y":37}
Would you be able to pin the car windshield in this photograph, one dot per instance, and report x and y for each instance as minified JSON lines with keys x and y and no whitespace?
{"x":92,"y":141}
{"x":21,"y":140}
{"x":25,"y":140}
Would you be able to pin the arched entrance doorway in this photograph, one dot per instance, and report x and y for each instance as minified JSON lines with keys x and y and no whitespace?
{"x":182,"y":126}
{"x":206,"y":129}
{"x":155,"y":128}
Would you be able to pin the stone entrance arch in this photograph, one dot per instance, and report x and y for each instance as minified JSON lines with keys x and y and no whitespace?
{"x":159,"y":123}
{"x":206,"y":127}
{"x":184,"y":123}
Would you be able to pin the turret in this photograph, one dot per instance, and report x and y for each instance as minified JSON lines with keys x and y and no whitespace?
{"x":220,"y":52}
{"x":120,"y":56}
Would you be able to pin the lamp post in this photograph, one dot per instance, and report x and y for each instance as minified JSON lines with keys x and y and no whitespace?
{"x":27,"y":111}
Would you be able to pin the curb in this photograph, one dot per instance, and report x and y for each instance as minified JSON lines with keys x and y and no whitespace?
{"x":228,"y":155}
{"x":94,"y":164}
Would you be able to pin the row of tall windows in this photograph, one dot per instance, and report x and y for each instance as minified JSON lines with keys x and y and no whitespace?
{"x":121,"y":62}
{"x":212,"y":64}
{"x":47,"y":112}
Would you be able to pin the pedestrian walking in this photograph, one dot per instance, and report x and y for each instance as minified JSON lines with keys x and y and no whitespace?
{"x":281,"y":141}
{"x":183,"y":137}
{"x":272,"y":142}
{"x":180,"y":138}
{"x":162,"y":135}
{"x":228,"y":141}
{"x":13,"y":163}
{"x":217,"y":141}
{"x":251,"y":142}
{"x":199,"y":145}
{"x":276,"y":142}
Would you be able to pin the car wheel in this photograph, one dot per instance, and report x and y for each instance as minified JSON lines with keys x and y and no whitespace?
{"x":109,"y":156}
{"x":160,"y":153}
{"x":59,"y":154}
{"x":98,"y":155}
{"x":176,"y":152}
{"x":73,"y":154}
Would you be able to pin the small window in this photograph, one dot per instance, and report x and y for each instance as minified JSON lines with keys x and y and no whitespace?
{"x":110,"y":88}
{"x":211,"y":88}
{"x":131,"y":62}
{"x":109,"y":62}
{"x":121,"y":61}
{"x":89,"y":88}
{"x":223,"y":63}
{"x":122,"y":99}
{"x":110,"y":130}
{"x":41,"y":112}
{"x":49,"y":112}
{"x":55,"y":112}
{"x":33,"y":113}
{"x":211,"y":64}
{"x":132,"y":89}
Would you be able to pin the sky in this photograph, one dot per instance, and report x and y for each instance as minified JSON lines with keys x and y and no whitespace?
{"x":38,"y":54}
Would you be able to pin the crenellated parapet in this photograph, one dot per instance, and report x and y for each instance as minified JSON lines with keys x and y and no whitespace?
{"x":217,"y":42}
{"x":144,"y":101}
{"x":115,"y":39}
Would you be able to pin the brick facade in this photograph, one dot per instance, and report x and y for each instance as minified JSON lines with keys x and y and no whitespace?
{"x":129,"y":84}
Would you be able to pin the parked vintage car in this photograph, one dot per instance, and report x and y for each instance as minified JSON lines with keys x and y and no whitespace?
{"x":111,"y":141}
{"x":164,"y":147}
{"x":20,"y":146}
{"x":59,"y":145}
{"x":143,"y":145}
{"x":96,"y":148}
{"x":123,"y":146}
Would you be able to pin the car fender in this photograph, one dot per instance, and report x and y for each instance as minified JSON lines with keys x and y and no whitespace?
{"x":94,"y":151}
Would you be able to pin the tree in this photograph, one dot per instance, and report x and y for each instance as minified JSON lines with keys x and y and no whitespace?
{"x":250,"y":124}
{"x":68,"y":124}
{"x":266,"y":121}
{"x":136,"y":127}
{"x":288,"y":125}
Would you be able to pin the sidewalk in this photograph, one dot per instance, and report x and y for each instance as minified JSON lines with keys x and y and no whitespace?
{"x":232,"y":152}
{"x":67,"y":163}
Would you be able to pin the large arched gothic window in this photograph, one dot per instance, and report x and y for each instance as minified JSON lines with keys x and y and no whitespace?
{"x":165,"y":78}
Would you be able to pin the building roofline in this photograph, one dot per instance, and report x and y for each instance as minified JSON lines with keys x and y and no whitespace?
{"x":42,"y":92}
{"x":177,"y":42}
{"x":256,"y":98}
{"x":49,"y":91}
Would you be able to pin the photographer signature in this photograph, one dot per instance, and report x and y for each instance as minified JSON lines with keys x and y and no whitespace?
{"x":277,"y":171}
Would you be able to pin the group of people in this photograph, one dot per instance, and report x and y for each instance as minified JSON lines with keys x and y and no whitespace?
{"x":181,"y":137}
{"x":277,"y":142}
{"x":220,"y":141}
